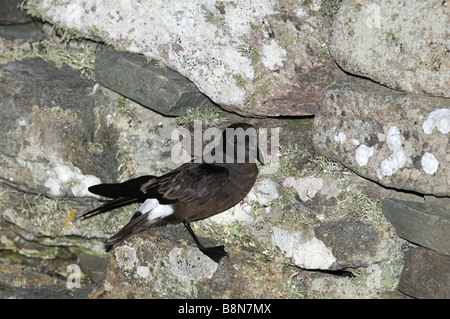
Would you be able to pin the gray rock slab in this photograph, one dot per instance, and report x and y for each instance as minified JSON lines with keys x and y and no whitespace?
{"x":49,"y":139}
{"x":93,"y":266}
{"x":397,"y":139}
{"x":21,"y":34}
{"x":421,"y":223}
{"x":403,"y":45}
{"x":11,"y":14}
{"x":22,"y":277}
{"x":158,"y":88}
{"x":425,"y":274}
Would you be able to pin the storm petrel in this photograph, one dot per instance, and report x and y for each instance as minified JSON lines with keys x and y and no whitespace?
{"x":188,"y":193}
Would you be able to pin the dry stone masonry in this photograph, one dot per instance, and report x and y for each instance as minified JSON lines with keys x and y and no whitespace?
{"x":356,"y":207}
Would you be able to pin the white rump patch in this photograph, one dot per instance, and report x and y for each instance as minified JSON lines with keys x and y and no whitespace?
{"x":155,"y":209}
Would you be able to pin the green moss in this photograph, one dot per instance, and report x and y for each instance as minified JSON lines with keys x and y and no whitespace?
{"x":392,"y":38}
{"x":361,"y":207}
{"x":82,"y":60}
{"x":209,"y":116}
{"x":123,"y":109}
{"x":161,"y":65}
{"x":327,"y":7}
{"x":50,"y":214}
{"x":240,"y":81}
{"x":288,"y":155}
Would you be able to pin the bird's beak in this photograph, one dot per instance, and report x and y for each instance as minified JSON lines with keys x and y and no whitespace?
{"x":255,"y":151}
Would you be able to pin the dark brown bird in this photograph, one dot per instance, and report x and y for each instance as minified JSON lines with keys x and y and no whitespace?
{"x":191,"y":192}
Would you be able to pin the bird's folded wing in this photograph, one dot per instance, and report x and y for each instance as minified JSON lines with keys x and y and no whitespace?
{"x":191,"y":181}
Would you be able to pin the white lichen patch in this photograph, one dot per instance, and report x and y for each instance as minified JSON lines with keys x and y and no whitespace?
{"x":430,"y":164}
{"x":341,"y":138}
{"x":125,"y":257}
{"x":238,"y":213}
{"x":264,"y":192}
{"x":439,"y":119}
{"x":306,"y":187}
{"x":191,"y":264}
{"x":143,"y":271}
{"x":363,"y":153}
{"x":306,"y":251}
{"x":66,"y":179}
{"x":273,"y":55}
{"x":398,"y":158}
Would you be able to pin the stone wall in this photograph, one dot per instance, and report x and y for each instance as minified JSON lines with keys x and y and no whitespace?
{"x":357,"y":206}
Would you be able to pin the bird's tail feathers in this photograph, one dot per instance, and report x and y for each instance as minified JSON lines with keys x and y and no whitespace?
{"x":139,"y":222}
{"x":109,"y":205}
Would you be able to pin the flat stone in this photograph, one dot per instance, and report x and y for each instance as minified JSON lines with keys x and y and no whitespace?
{"x":21,"y":34}
{"x":353,"y":242}
{"x":397,"y":139}
{"x":425,"y":274}
{"x":425,"y":224}
{"x":22,"y":277}
{"x":92,"y":266}
{"x":346,"y":243}
{"x":160,"y":89}
{"x":403,"y":45}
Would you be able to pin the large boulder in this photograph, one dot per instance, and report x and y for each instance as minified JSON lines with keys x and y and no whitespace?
{"x":397,"y":139}
{"x":403,"y":45}
{"x":252,"y":57}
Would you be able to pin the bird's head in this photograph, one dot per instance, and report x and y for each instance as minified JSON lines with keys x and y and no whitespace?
{"x":240,"y":144}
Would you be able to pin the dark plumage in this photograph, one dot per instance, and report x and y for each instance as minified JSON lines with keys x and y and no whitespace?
{"x":191,"y":192}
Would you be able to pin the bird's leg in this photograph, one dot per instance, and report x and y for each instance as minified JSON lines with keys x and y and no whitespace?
{"x":215,"y":253}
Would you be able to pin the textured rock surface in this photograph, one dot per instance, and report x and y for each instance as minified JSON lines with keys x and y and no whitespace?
{"x":159,"y":89}
{"x":42,"y":109}
{"x":61,"y":134}
{"x":425,"y":224}
{"x":333,"y":246}
{"x":404,"y":45}
{"x":64,"y":135}
{"x":425,"y":274}
{"x":306,"y":212}
{"x":34,"y":278}
{"x":252,"y":57}
{"x":385,"y":135}
{"x":165,"y":263}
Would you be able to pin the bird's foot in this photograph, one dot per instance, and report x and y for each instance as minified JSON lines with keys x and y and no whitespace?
{"x":215,"y":253}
